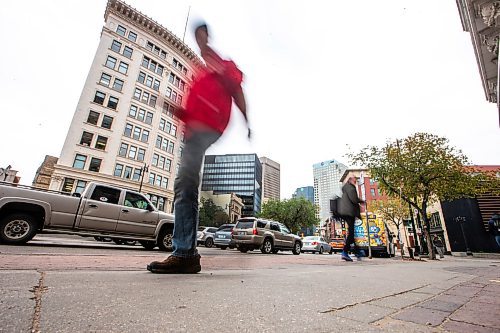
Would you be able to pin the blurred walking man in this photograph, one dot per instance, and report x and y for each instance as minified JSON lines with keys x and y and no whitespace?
{"x":206,"y":116}
{"x":349,"y":210}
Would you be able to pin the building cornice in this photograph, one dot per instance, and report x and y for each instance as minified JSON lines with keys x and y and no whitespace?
{"x":136,"y":18}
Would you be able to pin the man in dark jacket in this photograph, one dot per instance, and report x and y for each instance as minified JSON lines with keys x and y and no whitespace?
{"x":349,"y":210}
{"x":494,"y":226}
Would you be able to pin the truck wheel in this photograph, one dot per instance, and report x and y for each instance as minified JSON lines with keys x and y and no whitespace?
{"x":148,"y":245}
{"x":17,"y":228}
{"x":267,"y":246}
{"x":296,"y":248}
{"x":165,"y":239}
{"x":243,"y":249}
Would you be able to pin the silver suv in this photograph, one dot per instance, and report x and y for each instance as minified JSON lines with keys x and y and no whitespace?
{"x":252,"y":233}
{"x":205,"y":235}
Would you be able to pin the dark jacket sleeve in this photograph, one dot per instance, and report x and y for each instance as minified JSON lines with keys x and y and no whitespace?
{"x":353,"y":195}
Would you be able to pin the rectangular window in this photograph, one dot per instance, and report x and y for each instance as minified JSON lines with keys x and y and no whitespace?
{"x":145,"y":62}
{"x":95,"y":164}
{"x":168,"y":92}
{"x":116,"y":46}
{"x":140,"y":154}
{"x":174,"y":96}
{"x":149,"y":118}
{"x":145,"y":136}
{"x":128,"y":130}
{"x":110,"y":62}
{"x":158,"y":141}
{"x":99,"y":97}
{"x":107,"y":121}
{"x":149,"y":81}
{"x":168,"y":127}
{"x":152,"y":101}
{"x":112,"y":102}
{"x":106,"y":194}
{"x":152,"y":178}
{"x":161,"y":162}
{"x":154,"y":161}
{"x":121,"y":30}
{"x":68,"y":185}
{"x":93,"y":117}
{"x":142,"y":77}
{"x":123,"y":68}
{"x":118,"y":84}
{"x":156,"y":50}
{"x":168,"y":163}
{"x":181,"y":151}
{"x":137,"y":133}
{"x":145,"y":97}
{"x":132,"y":152}
{"x":171,"y":78}
{"x":164,"y":144}
{"x":149,"y":46}
{"x":173,"y":131}
{"x":170,"y":148}
{"x":156,"y":85}
{"x":80,"y":186}
{"x":127,"y":52}
{"x":158,"y":180}
{"x":101,"y":142}
{"x":137,"y":174}
{"x":133,"y":111}
{"x":141,"y":114}
{"x":123,"y":149}
{"x":159,"y":70}
{"x":118,"y":170}
{"x":137,"y":94}
{"x":162,"y":124}
{"x":79,"y":162}
{"x":163,"y":54}
{"x":128,"y":172}
{"x":105,"y":79}
{"x":372,"y":192}
{"x":86,"y":139}
{"x":132,"y":36}
{"x":164,"y":182}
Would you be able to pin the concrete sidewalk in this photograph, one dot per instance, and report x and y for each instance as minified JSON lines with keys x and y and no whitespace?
{"x":453,"y":295}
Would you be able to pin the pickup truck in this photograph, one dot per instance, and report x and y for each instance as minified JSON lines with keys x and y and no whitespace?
{"x":100,"y":211}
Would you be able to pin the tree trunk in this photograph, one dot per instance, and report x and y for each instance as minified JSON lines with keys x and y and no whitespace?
{"x":427,"y":233}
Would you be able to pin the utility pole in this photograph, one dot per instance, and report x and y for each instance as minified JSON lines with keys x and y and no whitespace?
{"x":144,"y":169}
{"x":363,"y":197}
{"x":461,"y":220}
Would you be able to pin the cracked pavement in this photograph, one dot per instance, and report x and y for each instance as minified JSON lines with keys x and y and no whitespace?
{"x":50,"y":289}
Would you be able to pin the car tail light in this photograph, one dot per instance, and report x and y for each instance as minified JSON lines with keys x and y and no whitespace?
{"x":314,"y":243}
{"x":254,"y":231}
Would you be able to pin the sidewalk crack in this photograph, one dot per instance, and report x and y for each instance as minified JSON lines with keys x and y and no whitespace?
{"x":38,"y":291}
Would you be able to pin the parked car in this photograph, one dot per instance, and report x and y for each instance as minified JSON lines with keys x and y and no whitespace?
{"x":337,"y":244}
{"x":269,"y":236}
{"x":222,"y":237}
{"x":102,"y":211}
{"x":316,"y":244}
{"x":205,"y":236}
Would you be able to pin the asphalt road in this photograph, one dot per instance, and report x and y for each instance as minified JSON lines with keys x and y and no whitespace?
{"x":66,"y":284}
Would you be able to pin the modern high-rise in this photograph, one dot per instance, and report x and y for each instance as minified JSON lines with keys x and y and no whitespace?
{"x":270,"y":179}
{"x":327,"y":185}
{"x":306,"y":192}
{"x":240,"y":174}
{"x":123,"y":130}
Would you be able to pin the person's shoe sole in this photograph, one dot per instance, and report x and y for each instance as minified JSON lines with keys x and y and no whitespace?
{"x":347,"y":259}
{"x":190,"y":270}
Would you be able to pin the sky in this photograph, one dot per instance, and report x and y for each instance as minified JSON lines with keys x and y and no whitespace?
{"x":322,"y":78}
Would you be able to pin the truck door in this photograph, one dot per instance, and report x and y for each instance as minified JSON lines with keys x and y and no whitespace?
{"x":137,"y":216}
{"x":287,"y":237}
{"x":101,"y":210}
{"x":278,"y":237}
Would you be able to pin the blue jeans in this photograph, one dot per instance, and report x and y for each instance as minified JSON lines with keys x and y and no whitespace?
{"x":186,"y":191}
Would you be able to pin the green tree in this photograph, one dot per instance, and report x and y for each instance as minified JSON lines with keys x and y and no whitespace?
{"x":421,"y":169}
{"x":294,"y":213}
{"x":392,"y":210}
{"x":211,"y":215}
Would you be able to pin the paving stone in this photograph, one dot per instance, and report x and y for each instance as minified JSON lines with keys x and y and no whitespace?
{"x":488,"y":299}
{"x":493,"y":287}
{"x":401,"y":301}
{"x":452,"y":299}
{"x":393,"y":325}
{"x":430,"y":290}
{"x":437,"y":304}
{"x":365,"y":313}
{"x":453,"y":326}
{"x":479,"y":314}
{"x":463,"y":291}
{"x":422,"y":316}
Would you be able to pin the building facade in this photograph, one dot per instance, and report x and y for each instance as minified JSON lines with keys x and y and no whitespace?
{"x":235,"y":173}
{"x":230,"y":203}
{"x":327,"y":185}
{"x":306,"y":192}
{"x":271,"y":179}
{"x":123,"y":131}
{"x":481,"y":18}
{"x":44,"y":173}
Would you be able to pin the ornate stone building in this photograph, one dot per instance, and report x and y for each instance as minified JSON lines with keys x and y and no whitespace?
{"x":123,"y":130}
{"x":44,"y":173}
{"x":481,"y":18}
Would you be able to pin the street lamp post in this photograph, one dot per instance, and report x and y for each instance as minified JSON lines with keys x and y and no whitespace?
{"x":144,"y":169}
{"x":462,"y":220}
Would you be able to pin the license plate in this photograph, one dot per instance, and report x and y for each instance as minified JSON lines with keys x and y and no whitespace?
{"x":222,"y":236}
{"x":242,"y":233}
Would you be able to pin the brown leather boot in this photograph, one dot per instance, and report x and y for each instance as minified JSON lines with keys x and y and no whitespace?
{"x":176,"y":265}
